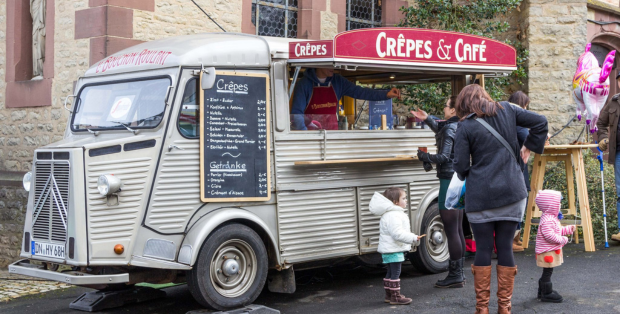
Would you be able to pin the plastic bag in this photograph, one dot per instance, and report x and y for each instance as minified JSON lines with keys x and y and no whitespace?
{"x":455,"y":196}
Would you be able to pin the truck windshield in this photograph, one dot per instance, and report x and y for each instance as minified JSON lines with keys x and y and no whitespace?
{"x":136,"y":104}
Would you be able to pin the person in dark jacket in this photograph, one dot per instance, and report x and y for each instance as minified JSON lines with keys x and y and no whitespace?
{"x":452,"y":219}
{"x":608,"y":137}
{"x":520,"y":99}
{"x":496,"y":194}
{"x":315,"y":101}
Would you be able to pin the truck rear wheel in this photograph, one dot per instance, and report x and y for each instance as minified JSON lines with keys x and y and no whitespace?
{"x":231,"y":268}
{"x":432,"y":255}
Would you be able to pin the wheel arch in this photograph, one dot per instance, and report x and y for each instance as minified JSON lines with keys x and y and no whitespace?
{"x":207,"y":224}
{"x":431,"y":197}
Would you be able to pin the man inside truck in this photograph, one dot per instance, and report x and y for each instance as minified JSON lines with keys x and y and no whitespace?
{"x":315,"y":101}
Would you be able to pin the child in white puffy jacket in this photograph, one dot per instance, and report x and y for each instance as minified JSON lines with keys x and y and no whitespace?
{"x":395,"y":238}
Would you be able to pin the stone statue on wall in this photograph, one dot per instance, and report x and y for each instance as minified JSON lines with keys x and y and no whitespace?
{"x":37,"y":10}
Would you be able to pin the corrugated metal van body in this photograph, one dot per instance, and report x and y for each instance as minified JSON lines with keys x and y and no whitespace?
{"x":176,"y":194}
{"x":323,"y":209}
{"x":109,"y":225}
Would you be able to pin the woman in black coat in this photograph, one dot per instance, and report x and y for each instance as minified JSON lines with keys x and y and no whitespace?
{"x":496,"y":194}
{"x":445,"y":132}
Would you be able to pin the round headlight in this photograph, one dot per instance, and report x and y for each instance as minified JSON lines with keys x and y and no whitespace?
{"x":108,"y":184}
{"x":27,"y":180}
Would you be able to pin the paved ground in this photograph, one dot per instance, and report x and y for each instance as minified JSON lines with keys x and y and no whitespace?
{"x":589,"y":282}
{"x":14,"y":286}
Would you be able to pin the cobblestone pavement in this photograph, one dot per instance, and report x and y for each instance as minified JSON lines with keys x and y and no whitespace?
{"x":14,"y":286}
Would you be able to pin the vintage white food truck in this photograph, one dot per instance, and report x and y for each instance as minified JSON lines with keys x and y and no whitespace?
{"x":179,"y":163}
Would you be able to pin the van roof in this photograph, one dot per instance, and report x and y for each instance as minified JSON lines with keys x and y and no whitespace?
{"x":209,"y":49}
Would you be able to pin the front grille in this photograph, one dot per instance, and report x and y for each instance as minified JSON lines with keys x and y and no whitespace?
{"x":51,"y":200}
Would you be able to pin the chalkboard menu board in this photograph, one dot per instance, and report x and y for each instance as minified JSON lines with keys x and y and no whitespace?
{"x":378,"y":108}
{"x":234,"y":138}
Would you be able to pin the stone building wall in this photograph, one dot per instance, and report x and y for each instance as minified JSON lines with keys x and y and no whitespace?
{"x":179,"y":17}
{"x":557,"y":36}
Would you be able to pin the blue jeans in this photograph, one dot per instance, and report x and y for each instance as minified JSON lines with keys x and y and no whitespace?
{"x":617,"y":175}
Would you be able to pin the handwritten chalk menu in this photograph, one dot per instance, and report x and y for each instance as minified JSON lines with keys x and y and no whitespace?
{"x":234,"y":138}
{"x":378,"y":108}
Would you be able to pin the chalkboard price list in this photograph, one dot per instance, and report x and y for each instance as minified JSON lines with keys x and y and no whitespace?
{"x":235,"y":138}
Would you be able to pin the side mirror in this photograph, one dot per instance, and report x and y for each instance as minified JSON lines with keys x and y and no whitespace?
{"x":207,"y":78}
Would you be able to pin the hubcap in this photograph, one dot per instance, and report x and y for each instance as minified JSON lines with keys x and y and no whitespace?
{"x":230,"y":267}
{"x":233,"y":268}
{"x":437,"y":237}
{"x":436,"y":245}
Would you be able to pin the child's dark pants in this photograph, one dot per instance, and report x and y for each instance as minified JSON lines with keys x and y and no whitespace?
{"x":393,"y":270}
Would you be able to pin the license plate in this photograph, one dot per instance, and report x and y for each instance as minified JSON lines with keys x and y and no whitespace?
{"x":48,"y":250}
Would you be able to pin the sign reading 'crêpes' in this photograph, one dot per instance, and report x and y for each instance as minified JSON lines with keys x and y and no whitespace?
{"x":234,"y":143}
{"x":411,"y":45}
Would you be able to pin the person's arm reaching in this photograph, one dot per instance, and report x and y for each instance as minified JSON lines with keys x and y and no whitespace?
{"x":446,"y":149}
{"x":348,"y":88}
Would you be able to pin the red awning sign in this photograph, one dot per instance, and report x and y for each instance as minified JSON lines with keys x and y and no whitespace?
{"x":311,"y":49}
{"x":410,"y":46}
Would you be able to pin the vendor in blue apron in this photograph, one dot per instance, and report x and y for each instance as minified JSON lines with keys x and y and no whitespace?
{"x":315,"y":102}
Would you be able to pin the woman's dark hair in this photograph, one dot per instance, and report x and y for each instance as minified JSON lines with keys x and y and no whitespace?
{"x":474,"y":99}
{"x":519,"y":98}
{"x":393,"y":194}
{"x":452,"y":102}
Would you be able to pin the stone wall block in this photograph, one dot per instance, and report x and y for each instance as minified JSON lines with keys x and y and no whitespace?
{"x":552,"y":10}
{"x":581,"y":10}
{"x":542,"y":107}
{"x":8,"y":129}
{"x":536,"y":11}
{"x":56,"y":114}
{"x":569,"y":19}
{"x":13,"y":141}
{"x":11,"y":165}
{"x":18,"y":115}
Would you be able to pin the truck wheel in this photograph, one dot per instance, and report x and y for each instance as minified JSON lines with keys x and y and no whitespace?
{"x":231,"y":268}
{"x":432,"y":255}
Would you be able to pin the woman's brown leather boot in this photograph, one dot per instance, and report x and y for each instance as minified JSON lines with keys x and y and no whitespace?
{"x":505,"y":285}
{"x":482,"y":284}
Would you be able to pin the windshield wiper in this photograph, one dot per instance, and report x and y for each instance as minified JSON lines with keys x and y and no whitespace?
{"x":126,"y":127}
{"x":93,"y":132}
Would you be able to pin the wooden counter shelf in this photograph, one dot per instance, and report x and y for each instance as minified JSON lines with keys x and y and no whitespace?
{"x":360,"y":160}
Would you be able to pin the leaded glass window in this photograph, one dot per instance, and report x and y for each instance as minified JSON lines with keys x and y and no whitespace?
{"x":277,"y":18}
{"x":363,"y":14}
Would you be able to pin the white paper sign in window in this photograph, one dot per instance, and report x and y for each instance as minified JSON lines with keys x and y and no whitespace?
{"x":120,"y":108}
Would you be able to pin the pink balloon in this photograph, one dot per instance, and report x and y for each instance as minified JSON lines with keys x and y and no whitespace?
{"x":591,"y":86}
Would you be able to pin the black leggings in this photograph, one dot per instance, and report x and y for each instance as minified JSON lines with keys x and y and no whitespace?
{"x":453,"y":224}
{"x":393,"y":270}
{"x":504,"y":234}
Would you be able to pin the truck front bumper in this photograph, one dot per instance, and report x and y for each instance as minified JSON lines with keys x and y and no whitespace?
{"x":24,"y":267}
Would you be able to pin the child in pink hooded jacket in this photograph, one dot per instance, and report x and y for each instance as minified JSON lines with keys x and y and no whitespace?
{"x":550,"y":239}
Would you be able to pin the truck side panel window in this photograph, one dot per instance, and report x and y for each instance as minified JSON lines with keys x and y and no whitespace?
{"x":189,"y":124}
